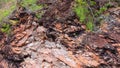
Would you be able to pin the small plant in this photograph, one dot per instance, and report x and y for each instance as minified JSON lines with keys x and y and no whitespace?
{"x":6,"y":11}
{"x":86,"y":12}
{"x":31,"y":4}
{"x":101,"y":10}
{"x":5,"y":28}
{"x":90,"y":26}
{"x":82,"y":11}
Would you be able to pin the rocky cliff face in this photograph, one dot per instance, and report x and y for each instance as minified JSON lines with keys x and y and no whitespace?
{"x":59,"y":40}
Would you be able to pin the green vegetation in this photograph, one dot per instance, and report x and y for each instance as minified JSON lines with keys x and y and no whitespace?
{"x":6,"y":12}
{"x":31,"y":4}
{"x":102,"y":9}
{"x":5,"y":28}
{"x":83,"y":8}
{"x":82,"y":11}
{"x":8,"y":7}
{"x":87,"y":13}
